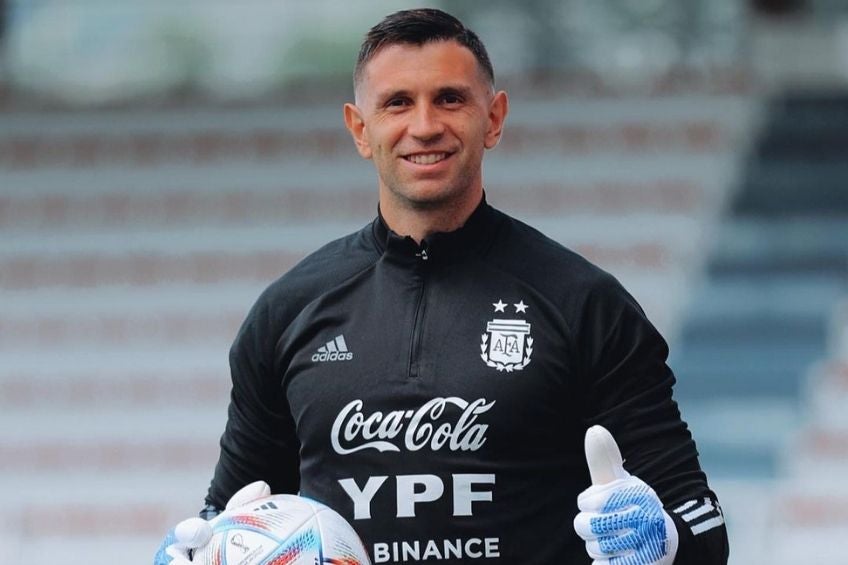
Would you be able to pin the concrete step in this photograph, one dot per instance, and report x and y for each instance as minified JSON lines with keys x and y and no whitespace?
{"x":742,"y":370}
{"x":769,"y":248}
{"x":809,"y":520}
{"x":121,"y":387}
{"x":77,"y":506}
{"x":739,"y":299}
{"x":785,"y":190}
{"x":742,"y":436}
{"x":181,"y":207}
{"x":67,"y":427}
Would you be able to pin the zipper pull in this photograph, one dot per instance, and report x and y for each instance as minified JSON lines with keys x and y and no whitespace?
{"x":422,"y":254}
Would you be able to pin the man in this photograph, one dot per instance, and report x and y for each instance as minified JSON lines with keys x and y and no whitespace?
{"x":432,"y":376}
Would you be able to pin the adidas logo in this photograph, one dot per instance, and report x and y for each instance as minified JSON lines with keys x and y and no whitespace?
{"x":334,"y":350}
{"x":267,"y":506}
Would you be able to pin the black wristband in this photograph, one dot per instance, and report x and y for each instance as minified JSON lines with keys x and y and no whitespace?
{"x":209,"y":511}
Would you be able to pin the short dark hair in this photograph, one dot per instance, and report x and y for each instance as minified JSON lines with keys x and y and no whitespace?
{"x":417,"y":27}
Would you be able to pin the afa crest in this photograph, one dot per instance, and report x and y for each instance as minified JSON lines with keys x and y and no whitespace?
{"x":507,"y":344}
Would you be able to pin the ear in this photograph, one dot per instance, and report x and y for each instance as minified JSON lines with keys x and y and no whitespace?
{"x":356,"y":126}
{"x":498,"y":109}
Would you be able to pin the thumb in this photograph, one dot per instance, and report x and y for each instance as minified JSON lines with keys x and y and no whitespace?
{"x":193,"y":533}
{"x":603,"y":457}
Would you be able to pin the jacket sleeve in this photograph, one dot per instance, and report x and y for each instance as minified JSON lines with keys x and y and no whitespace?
{"x":259,"y":440}
{"x":629,"y":391}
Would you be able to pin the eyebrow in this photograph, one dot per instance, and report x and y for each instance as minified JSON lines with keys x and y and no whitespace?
{"x":463,"y":91}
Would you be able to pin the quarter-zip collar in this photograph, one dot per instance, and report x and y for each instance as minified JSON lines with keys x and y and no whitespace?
{"x":472,"y":238}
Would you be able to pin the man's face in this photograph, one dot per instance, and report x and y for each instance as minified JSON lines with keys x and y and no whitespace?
{"x":424,"y":115}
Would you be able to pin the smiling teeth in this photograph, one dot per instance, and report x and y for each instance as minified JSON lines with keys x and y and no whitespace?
{"x":427,"y":159}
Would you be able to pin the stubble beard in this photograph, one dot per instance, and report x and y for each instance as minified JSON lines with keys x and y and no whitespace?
{"x":445,"y":198}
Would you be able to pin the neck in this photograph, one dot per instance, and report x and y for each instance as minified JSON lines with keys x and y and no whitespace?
{"x":418,"y":222}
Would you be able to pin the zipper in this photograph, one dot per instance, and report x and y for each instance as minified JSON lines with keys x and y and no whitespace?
{"x":419,"y":313}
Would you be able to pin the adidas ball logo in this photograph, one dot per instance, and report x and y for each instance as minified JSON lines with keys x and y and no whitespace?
{"x":334,"y":350}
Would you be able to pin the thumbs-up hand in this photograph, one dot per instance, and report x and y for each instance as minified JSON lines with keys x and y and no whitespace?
{"x":621,"y":518}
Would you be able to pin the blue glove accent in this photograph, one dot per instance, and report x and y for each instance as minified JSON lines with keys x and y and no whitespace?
{"x":162,"y":558}
{"x":636,"y":509}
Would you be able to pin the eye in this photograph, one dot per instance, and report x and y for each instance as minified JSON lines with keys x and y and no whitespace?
{"x":397,"y":102}
{"x":451,"y":99}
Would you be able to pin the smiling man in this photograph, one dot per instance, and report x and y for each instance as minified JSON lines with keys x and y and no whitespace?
{"x":424,"y":114}
{"x":432,"y":377}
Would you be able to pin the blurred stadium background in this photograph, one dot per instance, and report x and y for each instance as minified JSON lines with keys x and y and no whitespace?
{"x":161,"y":162}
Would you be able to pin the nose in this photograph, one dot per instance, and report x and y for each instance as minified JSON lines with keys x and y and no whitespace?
{"x":425,"y":124}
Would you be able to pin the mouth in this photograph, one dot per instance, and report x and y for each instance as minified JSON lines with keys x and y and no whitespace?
{"x":427,"y":158}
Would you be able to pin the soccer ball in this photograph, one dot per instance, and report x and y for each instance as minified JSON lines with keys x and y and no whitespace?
{"x":282,"y":529}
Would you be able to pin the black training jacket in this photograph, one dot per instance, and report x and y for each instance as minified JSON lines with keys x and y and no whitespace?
{"x":437,"y":396}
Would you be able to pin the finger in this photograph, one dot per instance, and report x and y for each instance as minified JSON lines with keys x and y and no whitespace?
{"x":583,"y":525}
{"x":178,"y":558}
{"x":610,"y":547}
{"x":193,"y":533}
{"x":603,"y":457}
{"x":594,"y":525}
{"x":177,"y":554}
{"x":248,"y":494}
{"x":593,"y":550}
{"x":616,"y":545}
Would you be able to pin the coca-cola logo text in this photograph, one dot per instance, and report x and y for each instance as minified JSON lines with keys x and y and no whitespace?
{"x":431,"y":426}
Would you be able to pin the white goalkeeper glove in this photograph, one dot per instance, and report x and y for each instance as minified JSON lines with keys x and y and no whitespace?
{"x":621,"y":518}
{"x":194,"y":533}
